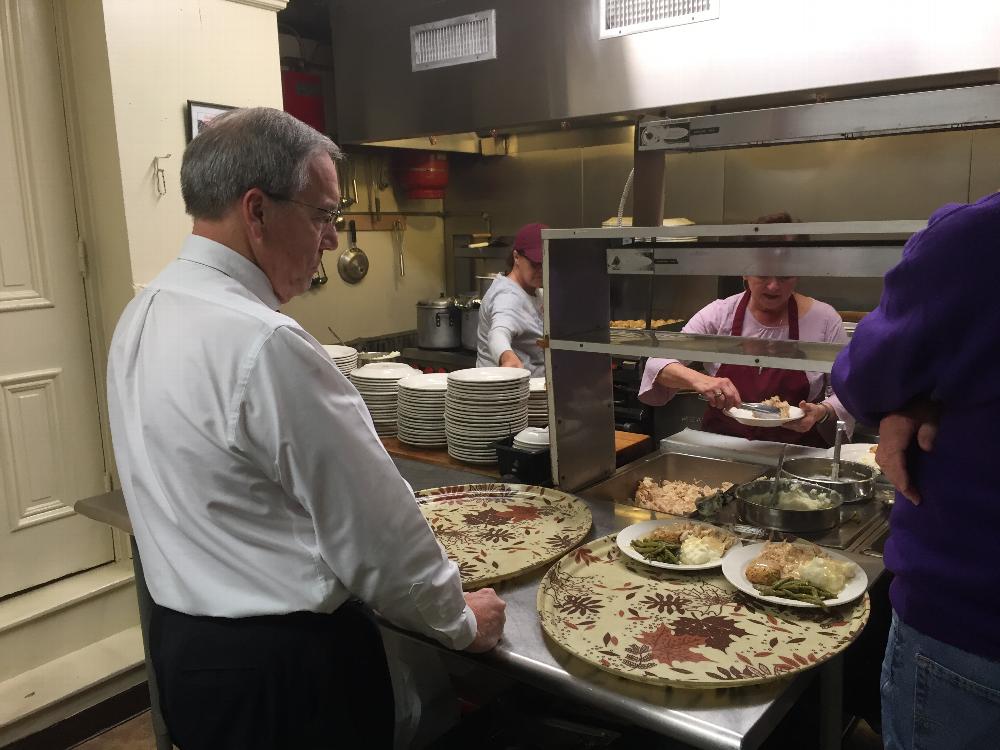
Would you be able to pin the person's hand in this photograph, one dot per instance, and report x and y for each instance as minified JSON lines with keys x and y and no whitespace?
{"x":813,"y":413}
{"x":719,"y":392}
{"x":490,"y":618}
{"x":895,"y":435}
{"x":509,"y":359}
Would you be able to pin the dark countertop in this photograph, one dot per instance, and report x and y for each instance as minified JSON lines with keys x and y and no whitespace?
{"x":454,"y":359}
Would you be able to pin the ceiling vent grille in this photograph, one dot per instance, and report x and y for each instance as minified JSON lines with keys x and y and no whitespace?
{"x":454,"y":41}
{"x":620,"y":17}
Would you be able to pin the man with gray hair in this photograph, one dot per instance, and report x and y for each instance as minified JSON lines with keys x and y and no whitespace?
{"x":266,"y":511}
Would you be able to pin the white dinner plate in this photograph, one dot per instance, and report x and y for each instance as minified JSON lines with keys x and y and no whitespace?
{"x":336,"y":351}
{"x":497,"y":404}
{"x":485,"y":396}
{"x":489,"y":375}
{"x":858,"y":452}
{"x":751,"y":419}
{"x":390,"y":366}
{"x":431,"y":381}
{"x":639,"y":530}
{"x":735,"y":565}
{"x":536,"y":386}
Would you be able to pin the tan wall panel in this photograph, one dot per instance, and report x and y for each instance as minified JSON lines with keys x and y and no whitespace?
{"x":985,"y":177}
{"x":604,"y":172}
{"x":902,"y":177}
{"x":383,"y":302}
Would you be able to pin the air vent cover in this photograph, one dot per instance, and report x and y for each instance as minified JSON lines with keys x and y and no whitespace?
{"x":454,"y":41}
{"x":620,"y":17}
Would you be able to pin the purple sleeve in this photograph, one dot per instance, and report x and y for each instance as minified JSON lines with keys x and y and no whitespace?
{"x":905,"y":348}
{"x":708,"y":320}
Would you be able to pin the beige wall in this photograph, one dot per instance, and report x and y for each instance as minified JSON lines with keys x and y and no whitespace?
{"x":161,"y":54}
{"x":134,"y":65}
{"x":382,"y":302}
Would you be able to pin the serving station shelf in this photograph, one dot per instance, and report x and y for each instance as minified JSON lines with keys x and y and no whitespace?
{"x":578,"y":265}
{"x":789,"y":355}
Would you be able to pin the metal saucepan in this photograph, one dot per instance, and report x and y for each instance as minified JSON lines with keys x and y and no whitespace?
{"x":352,"y":265}
{"x":754,"y":499}
{"x":856,"y":481}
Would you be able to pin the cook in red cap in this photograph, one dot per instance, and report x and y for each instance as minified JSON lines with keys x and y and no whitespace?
{"x":528,"y":241}
{"x":510,"y":317}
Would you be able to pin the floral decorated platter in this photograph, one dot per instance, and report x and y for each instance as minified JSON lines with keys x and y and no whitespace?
{"x":498,"y":531}
{"x":688,"y":630}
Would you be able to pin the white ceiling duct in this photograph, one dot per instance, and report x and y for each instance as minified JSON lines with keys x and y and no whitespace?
{"x":620,"y":17}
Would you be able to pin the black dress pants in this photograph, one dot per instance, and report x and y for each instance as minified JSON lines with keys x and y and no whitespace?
{"x":301,"y":681}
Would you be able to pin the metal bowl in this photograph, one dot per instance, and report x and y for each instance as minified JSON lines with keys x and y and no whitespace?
{"x":855,"y":483}
{"x":754,"y":498}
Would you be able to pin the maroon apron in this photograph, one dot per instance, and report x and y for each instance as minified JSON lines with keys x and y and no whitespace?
{"x":760,"y":383}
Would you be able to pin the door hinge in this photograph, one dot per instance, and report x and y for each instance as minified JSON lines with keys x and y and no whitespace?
{"x":81,"y":255}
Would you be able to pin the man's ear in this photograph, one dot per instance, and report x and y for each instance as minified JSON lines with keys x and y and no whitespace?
{"x":252,"y":209}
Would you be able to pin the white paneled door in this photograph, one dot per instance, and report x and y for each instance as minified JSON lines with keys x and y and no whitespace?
{"x":50,"y":435}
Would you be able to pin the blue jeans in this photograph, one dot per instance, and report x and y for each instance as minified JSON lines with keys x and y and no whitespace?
{"x":935,"y":696}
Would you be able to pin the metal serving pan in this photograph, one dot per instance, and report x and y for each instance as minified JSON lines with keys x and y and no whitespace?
{"x":620,"y":487}
{"x":754,"y":496}
{"x":856,"y":482}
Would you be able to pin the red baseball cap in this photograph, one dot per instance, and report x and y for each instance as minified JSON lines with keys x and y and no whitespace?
{"x":528,"y":241}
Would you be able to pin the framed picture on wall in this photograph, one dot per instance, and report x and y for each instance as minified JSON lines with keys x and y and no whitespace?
{"x":200,"y":114}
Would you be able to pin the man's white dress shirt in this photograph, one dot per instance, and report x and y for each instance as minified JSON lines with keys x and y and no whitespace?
{"x":253,"y":476}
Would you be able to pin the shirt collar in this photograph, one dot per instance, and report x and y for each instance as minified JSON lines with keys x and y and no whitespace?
{"x":198,"y":249}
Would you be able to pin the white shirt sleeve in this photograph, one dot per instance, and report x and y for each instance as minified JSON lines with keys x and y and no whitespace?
{"x":499,"y":342}
{"x":306,"y":426}
{"x":506,"y":324}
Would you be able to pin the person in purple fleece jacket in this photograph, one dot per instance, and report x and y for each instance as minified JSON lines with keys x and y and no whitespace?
{"x":925,"y":366}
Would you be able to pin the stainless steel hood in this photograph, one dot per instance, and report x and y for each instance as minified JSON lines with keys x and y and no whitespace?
{"x":923,"y":111}
{"x":552,"y":66}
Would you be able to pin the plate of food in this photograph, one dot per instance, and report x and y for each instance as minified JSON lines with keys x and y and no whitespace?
{"x":796,"y":574}
{"x":676,"y":544}
{"x":786,"y":413}
{"x":861,"y":453}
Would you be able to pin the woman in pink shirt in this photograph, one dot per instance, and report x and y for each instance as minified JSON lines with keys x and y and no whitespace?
{"x":770,"y":308}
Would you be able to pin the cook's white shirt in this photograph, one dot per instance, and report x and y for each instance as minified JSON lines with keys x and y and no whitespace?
{"x":253,"y":476}
{"x":510,"y":319}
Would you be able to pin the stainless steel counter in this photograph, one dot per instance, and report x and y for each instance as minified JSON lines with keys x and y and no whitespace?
{"x":723,"y":718}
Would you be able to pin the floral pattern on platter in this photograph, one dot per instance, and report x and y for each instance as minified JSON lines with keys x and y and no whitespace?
{"x":692,"y":630}
{"x":498,"y":531}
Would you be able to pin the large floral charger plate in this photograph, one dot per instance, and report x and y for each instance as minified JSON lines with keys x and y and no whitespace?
{"x":689,"y":630}
{"x":498,"y":531}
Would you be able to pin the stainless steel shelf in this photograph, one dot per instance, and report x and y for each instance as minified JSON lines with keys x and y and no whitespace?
{"x":872,"y":229}
{"x":840,"y":261}
{"x":734,"y":350}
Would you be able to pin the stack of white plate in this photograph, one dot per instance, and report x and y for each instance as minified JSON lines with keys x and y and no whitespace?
{"x":538,"y":403}
{"x":421,"y":410}
{"x":482,"y":405}
{"x":377,"y":385}
{"x":532,"y":438}
{"x":345,"y":357}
